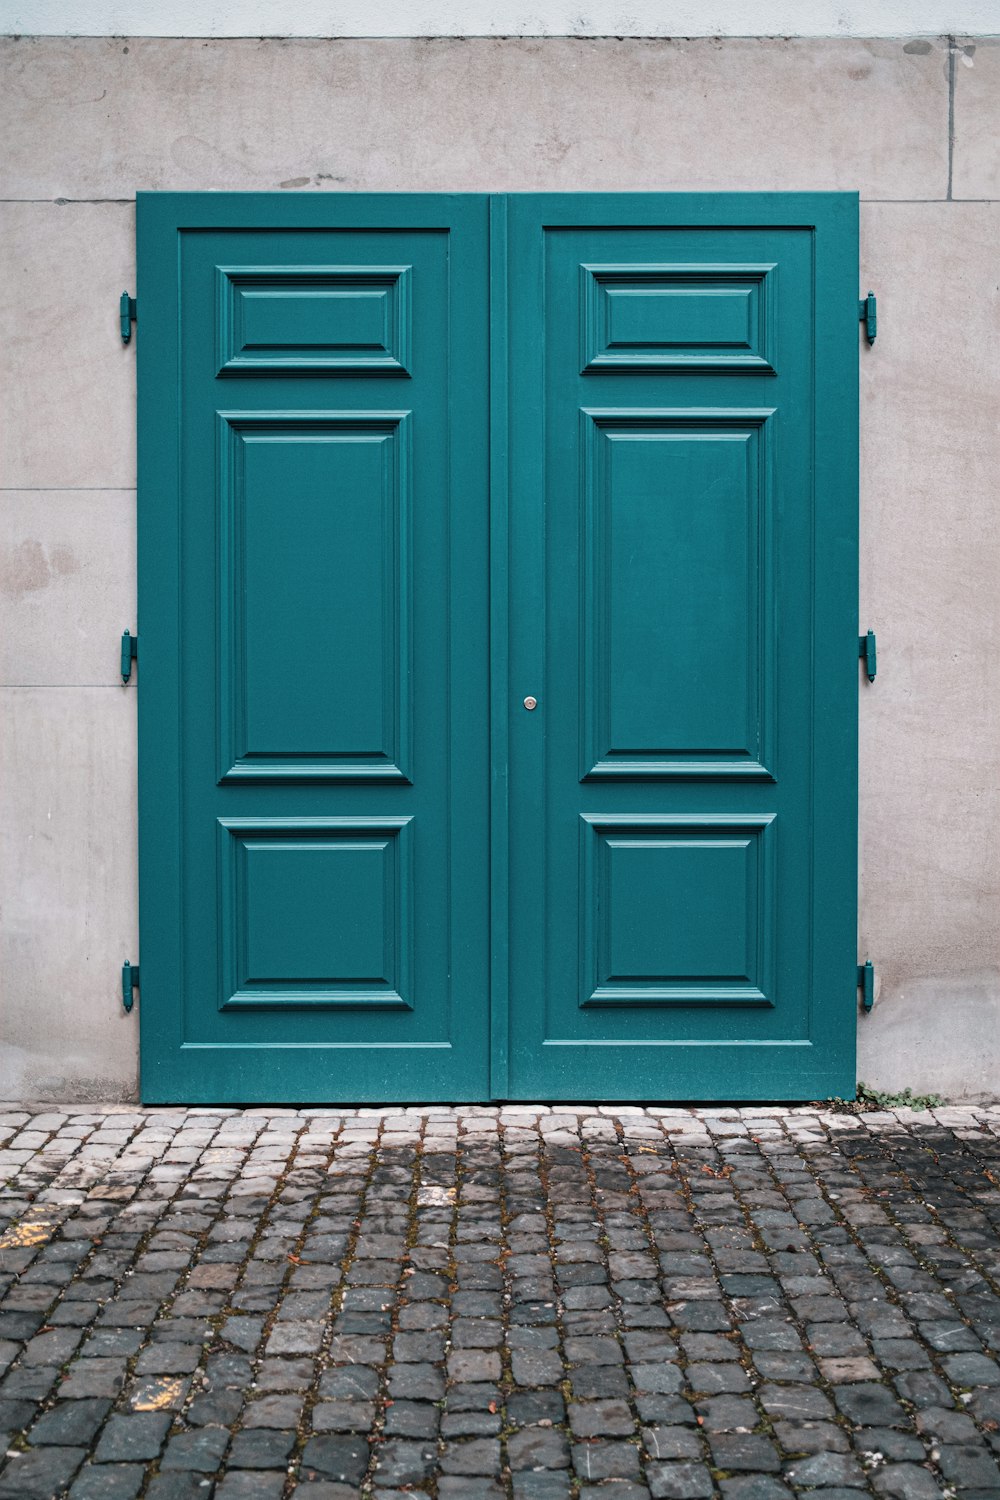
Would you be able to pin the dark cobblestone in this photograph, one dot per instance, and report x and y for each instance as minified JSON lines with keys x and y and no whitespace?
{"x":741,"y":1305}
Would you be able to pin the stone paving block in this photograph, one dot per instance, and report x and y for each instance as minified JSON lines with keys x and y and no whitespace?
{"x":245,"y":1333}
{"x":537,"y":1448}
{"x":177,"y":1485}
{"x":754,"y":1487}
{"x":971,"y":1369}
{"x":601,"y":1419}
{"x":467,"y":1488}
{"x":41,"y":1474}
{"x":825,"y":1469}
{"x":108,"y":1482}
{"x":468,"y":1424}
{"x":357,"y":1384}
{"x":605,"y":1459}
{"x":711,"y":1379}
{"x":907,"y":1482}
{"x":536,"y":1367}
{"x":200,"y":1451}
{"x":680,"y":1481}
{"x":401,"y":1462}
{"x":477,"y":1456}
{"x":416,"y":1382}
{"x":215,"y":1408}
{"x":869,"y":1405}
{"x":350,"y":1416}
{"x":264,"y":1486}
{"x":599,"y":1382}
{"x":968,"y":1466}
{"x":280,"y":1411}
{"x":814,"y":1437}
{"x":260,"y":1448}
{"x":135,"y":1437}
{"x":70,"y":1423}
{"x":557,"y":1487}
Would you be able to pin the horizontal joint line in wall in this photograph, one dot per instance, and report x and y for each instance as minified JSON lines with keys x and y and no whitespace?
{"x":61,"y":201}
{"x":66,"y":489}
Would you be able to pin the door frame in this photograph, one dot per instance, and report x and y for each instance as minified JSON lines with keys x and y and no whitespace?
{"x":831,"y":217}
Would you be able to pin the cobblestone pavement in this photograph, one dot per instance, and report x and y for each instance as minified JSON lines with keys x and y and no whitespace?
{"x":525,"y":1302}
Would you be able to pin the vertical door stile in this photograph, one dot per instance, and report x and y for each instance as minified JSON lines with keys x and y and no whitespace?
{"x":499,"y":655}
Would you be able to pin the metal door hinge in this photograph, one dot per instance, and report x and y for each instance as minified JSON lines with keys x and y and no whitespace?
{"x":866,"y":983}
{"x":867,"y":653}
{"x":868,"y":314}
{"x":127,"y":315}
{"x":130,"y":653}
{"x":130,"y":982}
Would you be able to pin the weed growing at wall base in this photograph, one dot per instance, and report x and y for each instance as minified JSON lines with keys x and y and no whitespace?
{"x":868,"y":1099}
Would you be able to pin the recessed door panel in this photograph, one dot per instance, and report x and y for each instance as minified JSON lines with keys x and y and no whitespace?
{"x":677,"y":909}
{"x":314,"y":552}
{"x":316,"y":912}
{"x":678,"y":665}
{"x":313,"y":320}
{"x":664,"y":317}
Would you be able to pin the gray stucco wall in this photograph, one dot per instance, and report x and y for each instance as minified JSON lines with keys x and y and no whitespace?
{"x":912,"y":126}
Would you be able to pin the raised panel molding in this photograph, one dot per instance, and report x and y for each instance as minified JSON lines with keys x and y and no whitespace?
{"x":313,"y":320}
{"x":677,"y":317}
{"x":678,"y":680}
{"x":330,"y":661}
{"x":666,"y":899}
{"x":315,"y":913}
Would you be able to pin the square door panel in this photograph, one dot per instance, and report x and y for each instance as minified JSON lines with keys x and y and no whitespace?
{"x":678,"y":594}
{"x":313,"y":320}
{"x":315,"y":912}
{"x":677,"y":910}
{"x":314,"y":596}
{"x":677,"y":317}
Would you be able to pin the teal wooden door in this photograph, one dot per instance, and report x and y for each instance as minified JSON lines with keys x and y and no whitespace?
{"x":498,"y":646}
{"x":314,"y":653}
{"x":683,"y":537}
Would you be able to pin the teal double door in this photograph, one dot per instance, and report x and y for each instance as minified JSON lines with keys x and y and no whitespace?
{"x":498,"y":646}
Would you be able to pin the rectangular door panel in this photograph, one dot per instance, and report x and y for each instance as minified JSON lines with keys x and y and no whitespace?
{"x":683,"y":610}
{"x":314,"y":675}
{"x":679,"y":659}
{"x":677,"y":909}
{"x":314,"y":553}
{"x":313,"y":320}
{"x":641,"y":317}
{"x":316,"y":912}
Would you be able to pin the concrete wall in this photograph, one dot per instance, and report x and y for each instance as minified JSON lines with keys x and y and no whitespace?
{"x":423,"y":18}
{"x":912,"y":125}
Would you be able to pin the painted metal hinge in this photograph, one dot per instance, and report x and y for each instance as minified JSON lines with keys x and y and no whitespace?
{"x":130,"y":653}
{"x":866,"y":983}
{"x":867,"y":653}
{"x":130,"y":982}
{"x":868,"y":314}
{"x":127,"y":315}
